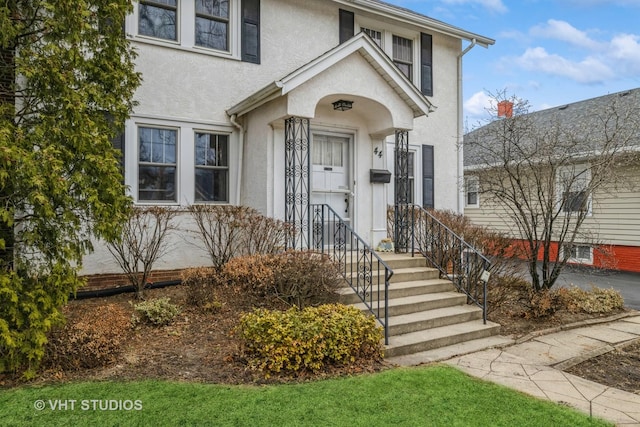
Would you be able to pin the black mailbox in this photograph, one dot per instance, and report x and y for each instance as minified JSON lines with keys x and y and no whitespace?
{"x":382,"y":176}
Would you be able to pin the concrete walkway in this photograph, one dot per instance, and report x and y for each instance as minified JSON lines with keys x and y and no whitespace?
{"x":534,"y":366}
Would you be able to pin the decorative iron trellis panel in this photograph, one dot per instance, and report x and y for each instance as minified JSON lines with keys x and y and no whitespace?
{"x":297,"y":182}
{"x":402,"y":191}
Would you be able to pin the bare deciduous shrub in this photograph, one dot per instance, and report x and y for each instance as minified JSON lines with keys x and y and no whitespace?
{"x":220,"y":230}
{"x":200,"y":287}
{"x":231,"y":231}
{"x":297,"y":277}
{"x":92,"y":340}
{"x":264,"y":235}
{"x":503,"y":289}
{"x":142,"y":242}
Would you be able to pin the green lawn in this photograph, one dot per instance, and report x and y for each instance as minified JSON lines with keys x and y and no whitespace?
{"x":426,"y":396}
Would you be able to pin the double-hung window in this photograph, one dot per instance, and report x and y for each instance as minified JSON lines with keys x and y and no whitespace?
{"x":212,"y":24}
{"x":212,"y":167}
{"x":573,"y":189}
{"x":403,"y":55}
{"x":158,"y":18}
{"x":471,"y":189}
{"x":157,"y":164}
{"x":225,"y":28}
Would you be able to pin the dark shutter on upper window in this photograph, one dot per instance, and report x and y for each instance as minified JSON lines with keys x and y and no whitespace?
{"x":346,"y":25}
{"x":426,"y":64}
{"x":251,"y":31}
{"x":427,"y":176}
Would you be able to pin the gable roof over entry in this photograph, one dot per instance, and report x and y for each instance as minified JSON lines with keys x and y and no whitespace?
{"x":362,"y":44}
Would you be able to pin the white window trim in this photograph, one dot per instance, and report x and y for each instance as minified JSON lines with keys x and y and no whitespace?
{"x":467,"y":181}
{"x":185,"y":158}
{"x":388,"y":31}
{"x":137,"y":166}
{"x":186,"y":39}
{"x":227,"y":168}
{"x":584,"y":261}
{"x":560,"y":188}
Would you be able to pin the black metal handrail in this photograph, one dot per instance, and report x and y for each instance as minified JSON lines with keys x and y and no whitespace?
{"x":368,"y":276}
{"x":456,"y":259}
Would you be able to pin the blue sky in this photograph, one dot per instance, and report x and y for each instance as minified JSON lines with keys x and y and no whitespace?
{"x":549,"y":53}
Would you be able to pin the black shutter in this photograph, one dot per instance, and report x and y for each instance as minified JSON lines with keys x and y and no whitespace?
{"x":427,"y":176}
{"x":426,"y":64}
{"x":118,"y":143}
{"x":346,"y":25}
{"x":251,"y":31}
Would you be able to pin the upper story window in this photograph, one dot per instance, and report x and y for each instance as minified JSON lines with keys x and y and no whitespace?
{"x":375,"y":35}
{"x":229,"y":28}
{"x":158,"y":18}
{"x":403,"y":55}
{"x":212,"y":24}
{"x":410,"y":51}
{"x":471,"y":190}
{"x":573,"y":189}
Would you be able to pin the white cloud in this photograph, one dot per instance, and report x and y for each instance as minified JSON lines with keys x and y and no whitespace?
{"x":589,"y":70}
{"x":625,"y":50}
{"x":478,"y":104}
{"x":492,"y":5}
{"x":562,"y":30}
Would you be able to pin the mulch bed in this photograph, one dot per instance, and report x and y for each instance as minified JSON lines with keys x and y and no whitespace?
{"x":200,"y":346}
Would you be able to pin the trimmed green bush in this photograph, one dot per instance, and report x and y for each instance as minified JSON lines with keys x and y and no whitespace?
{"x":309,"y":339}
{"x":157,"y":311}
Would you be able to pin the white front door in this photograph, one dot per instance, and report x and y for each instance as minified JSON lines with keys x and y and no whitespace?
{"x":330,"y":173}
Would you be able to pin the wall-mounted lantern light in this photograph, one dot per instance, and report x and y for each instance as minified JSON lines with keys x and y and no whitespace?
{"x":342,"y":105}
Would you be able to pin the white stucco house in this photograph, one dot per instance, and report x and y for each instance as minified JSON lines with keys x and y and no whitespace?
{"x":238,"y":96}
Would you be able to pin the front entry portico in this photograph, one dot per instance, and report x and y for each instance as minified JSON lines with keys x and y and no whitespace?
{"x":311,"y":152}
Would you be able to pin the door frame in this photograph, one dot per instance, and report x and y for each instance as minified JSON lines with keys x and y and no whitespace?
{"x":349,"y":165}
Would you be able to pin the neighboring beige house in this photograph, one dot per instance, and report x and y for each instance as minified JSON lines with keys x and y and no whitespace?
{"x":611,"y":230}
{"x":227,"y":82}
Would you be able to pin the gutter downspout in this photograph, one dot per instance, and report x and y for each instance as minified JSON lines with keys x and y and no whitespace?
{"x":238,"y":126}
{"x":460,"y":129}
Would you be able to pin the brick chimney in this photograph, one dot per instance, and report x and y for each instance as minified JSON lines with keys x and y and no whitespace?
{"x":505,"y":109}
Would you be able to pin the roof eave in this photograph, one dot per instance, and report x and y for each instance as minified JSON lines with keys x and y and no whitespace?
{"x":410,"y":17}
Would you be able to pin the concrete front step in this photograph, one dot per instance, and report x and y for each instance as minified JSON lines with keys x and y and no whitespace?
{"x":429,"y":339}
{"x":394,"y":261}
{"x":425,"y":312}
{"x":402,"y":289}
{"x":416,"y":303}
{"x":430,"y":319}
{"x":451,"y":351}
{"x":402,"y":274}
